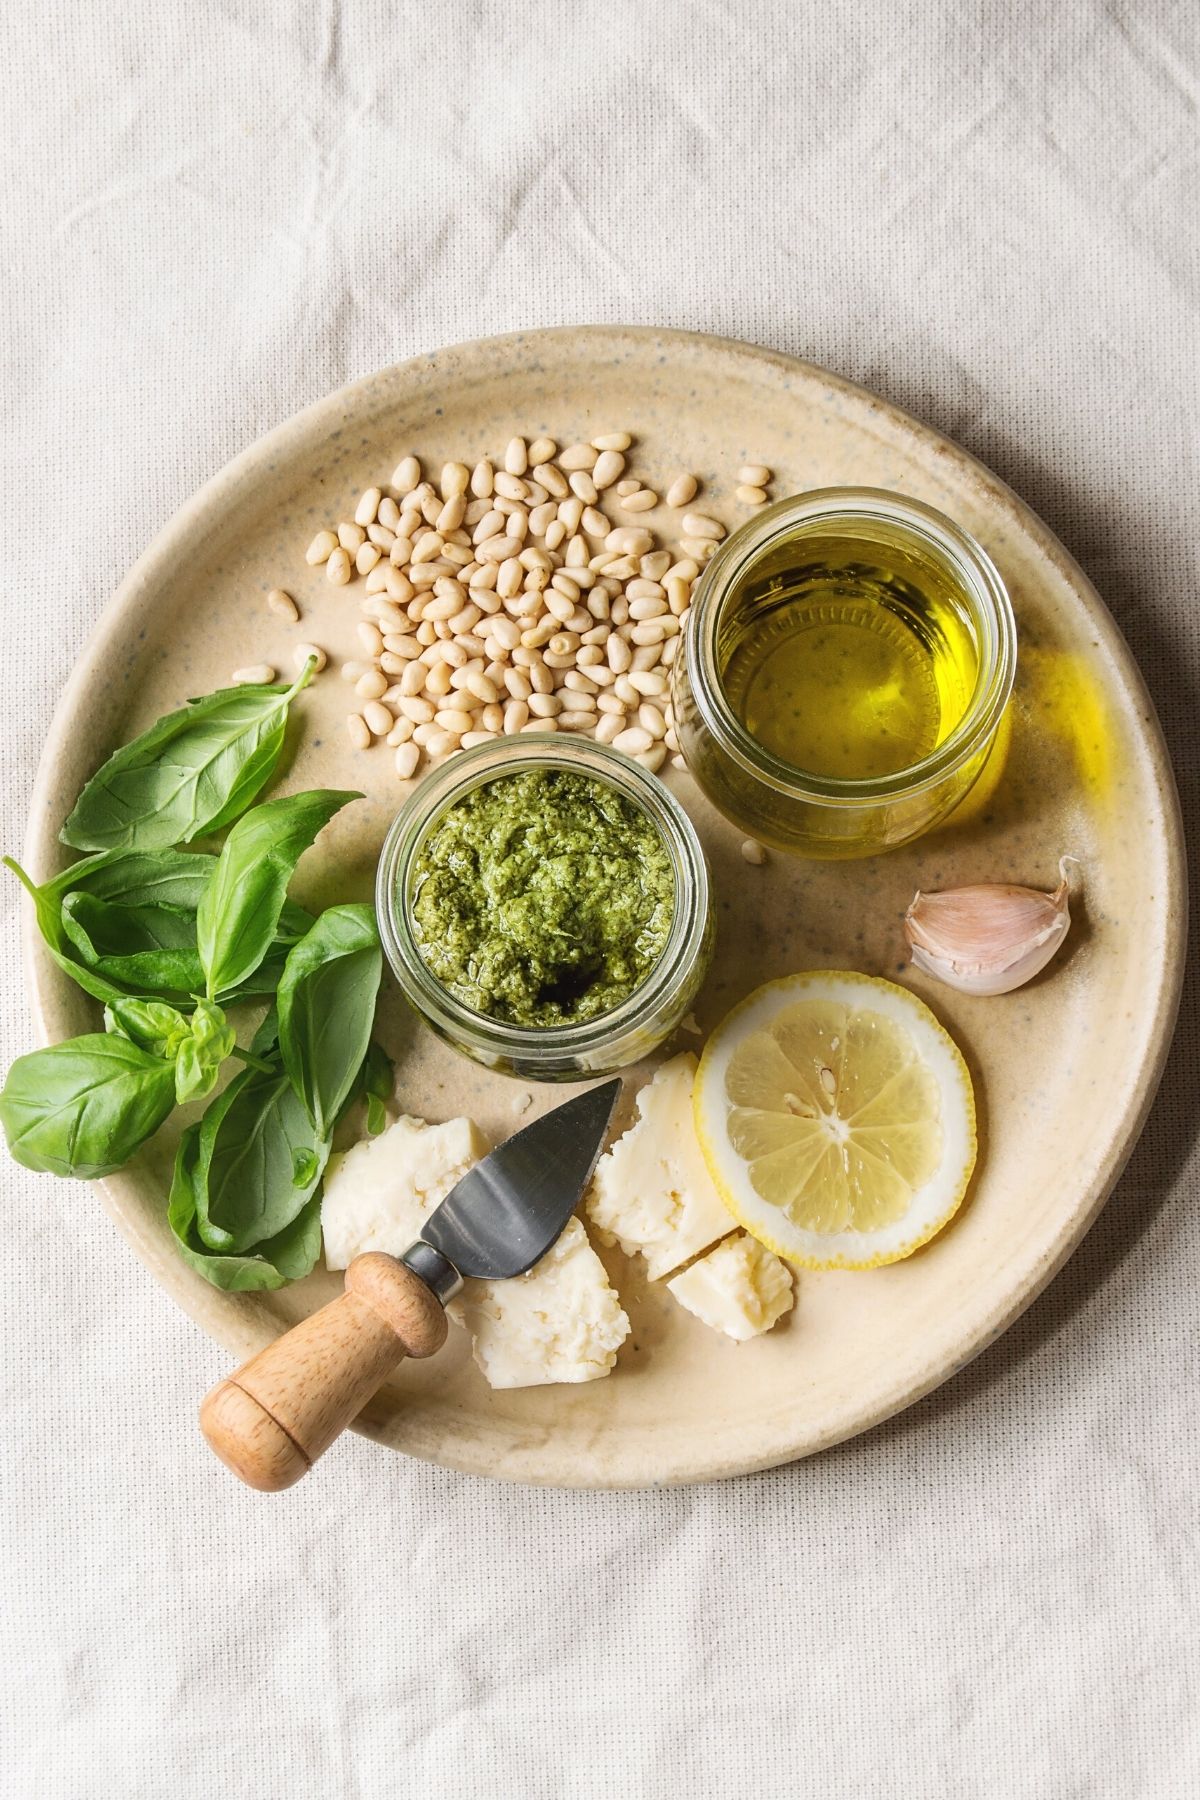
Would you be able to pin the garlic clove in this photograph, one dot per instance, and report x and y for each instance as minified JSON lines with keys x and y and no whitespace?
{"x":991,"y":938}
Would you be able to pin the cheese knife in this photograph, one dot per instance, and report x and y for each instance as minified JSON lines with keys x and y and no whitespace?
{"x":282,"y":1409}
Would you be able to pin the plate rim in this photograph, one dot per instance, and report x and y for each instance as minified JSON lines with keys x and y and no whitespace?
{"x":241,"y":1323}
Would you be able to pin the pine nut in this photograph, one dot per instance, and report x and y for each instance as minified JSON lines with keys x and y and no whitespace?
{"x":702,"y":548}
{"x":441,"y":743}
{"x":610,"y":466}
{"x":492,"y":719}
{"x":542,"y":516}
{"x":647,"y":681}
{"x":632,"y":740}
{"x":653,"y":758}
{"x":685,"y":567}
{"x":350,"y":537}
{"x":750,"y":496}
{"x":629,"y":540}
{"x":371,"y":686}
{"x":453,"y":719}
{"x":650,"y":719}
{"x":654,"y":566}
{"x":672,"y":743}
{"x":609,"y":703}
{"x":511,"y":575}
{"x":556,"y":531}
{"x":610,"y":726}
{"x":381,"y":536}
{"x":541,"y":450}
{"x":406,"y":474}
{"x":612,"y":440}
{"x":254,"y":675}
{"x":400,"y":733}
{"x":584,"y":487}
{"x":549,"y":476}
{"x":642,"y":501}
{"x":360,"y":735}
{"x":511,"y":487}
{"x":338,"y":569}
{"x":540,"y":725}
{"x":518,"y":683}
{"x":651,"y":631}
{"x":576,"y":457}
{"x":678,"y":593}
{"x":302,"y":653}
{"x":628,"y":485}
{"x":482,"y":479}
{"x":416,"y":708}
{"x":540,"y":676}
{"x":370,"y":637}
{"x":571,"y":512}
{"x":455,"y":478}
{"x":437,"y":682}
{"x":451,"y":515}
{"x":618,"y":653}
{"x":412,"y":680}
{"x":365,"y":558}
{"x":368,"y":507}
{"x":321,"y":548}
{"x":379,"y":719}
{"x":516,"y":456}
{"x":516,"y":716}
{"x":499,"y":549}
{"x":699,"y":525}
{"x":682,"y":490}
{"x":491,"y":525}
{"x":594,"y":522}
{"x":754,"y":475}
{"x":282,"y":605}
{"x":574,"y":720}
{"x":407,"y":758}
{"x":389,"y":513}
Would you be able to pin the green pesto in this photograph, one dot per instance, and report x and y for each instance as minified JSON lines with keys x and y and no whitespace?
{"x":543,"y":898}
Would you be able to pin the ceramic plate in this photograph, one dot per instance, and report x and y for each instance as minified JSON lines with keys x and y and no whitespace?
{"x":1064,"y":1069}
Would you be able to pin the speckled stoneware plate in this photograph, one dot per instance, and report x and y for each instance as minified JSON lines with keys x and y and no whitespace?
{"x":1065,"y":1069}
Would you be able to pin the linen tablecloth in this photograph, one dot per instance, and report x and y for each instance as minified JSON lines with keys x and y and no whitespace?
{"x":213,"y":214}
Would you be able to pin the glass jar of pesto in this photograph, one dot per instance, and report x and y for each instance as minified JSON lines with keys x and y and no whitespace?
{"x":544,"y":905}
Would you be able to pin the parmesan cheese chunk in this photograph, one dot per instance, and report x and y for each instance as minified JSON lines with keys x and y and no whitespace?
{"x":560,"y":1322}
{"x":740,"y":1288}
{"x":379,"y":1194}
{"x":652,"y":1191}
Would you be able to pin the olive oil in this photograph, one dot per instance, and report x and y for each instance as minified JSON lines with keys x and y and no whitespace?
{"x":849,"y":659}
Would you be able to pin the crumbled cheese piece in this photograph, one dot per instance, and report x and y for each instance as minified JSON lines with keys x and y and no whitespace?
{"x":740,"y":1288}
{"x":652,"y":1191}
{"x":561,"y":1322}
{"x":378,"y":1195}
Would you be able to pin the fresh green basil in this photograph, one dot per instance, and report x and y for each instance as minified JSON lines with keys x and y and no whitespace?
{"x":255,"y":1141}
{"x":196,"y":1044}
{"x":240,"y":910}
{"x":83,"y":1107}
{"x":143,"y":949}
{"x":193,"y":772}
{"x":327,"y":1007}
{"x":379,"y":1081}
{"x":287,"y":1257}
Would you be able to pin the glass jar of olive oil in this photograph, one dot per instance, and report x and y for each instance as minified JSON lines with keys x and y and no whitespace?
{"x":844,"y":670}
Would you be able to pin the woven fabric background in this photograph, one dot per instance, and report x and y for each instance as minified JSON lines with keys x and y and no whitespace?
{"x":216,"y":212}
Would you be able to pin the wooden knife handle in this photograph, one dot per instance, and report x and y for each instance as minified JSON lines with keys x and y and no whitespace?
{"x":271,"y":1421}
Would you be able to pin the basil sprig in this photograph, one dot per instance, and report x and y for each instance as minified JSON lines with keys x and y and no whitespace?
{"x":167,"y":938}
{"x":326,"y":1009}
{"x":194,"y":771}
{"x":239,"y":910}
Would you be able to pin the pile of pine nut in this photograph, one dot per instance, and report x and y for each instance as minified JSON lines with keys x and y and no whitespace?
{"x":508,"y":598}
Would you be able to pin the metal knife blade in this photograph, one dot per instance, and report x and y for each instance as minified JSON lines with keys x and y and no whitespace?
{"x":509,"y":1209}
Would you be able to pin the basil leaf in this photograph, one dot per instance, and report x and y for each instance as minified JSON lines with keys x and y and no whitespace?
{"x":379,"y":1080}
{"x":327,"y":1007}
{"x":84,"y":1106}
{"x":287,"y":1257}
{"x":147,"y":950}
{"x":194,"y":771}
{"x":250,"y":1139}
{"x":199,"y":1055}
{"x":139,"y":878}
{"x":153,"y":1024}
{"x":241,"y":907}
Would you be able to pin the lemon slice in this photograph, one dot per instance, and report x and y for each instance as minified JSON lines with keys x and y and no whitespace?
{"x":837,"y":1119}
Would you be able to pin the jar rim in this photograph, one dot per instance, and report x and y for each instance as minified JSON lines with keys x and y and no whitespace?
{"x":482,"y":763}
{"x":978,"y":579}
